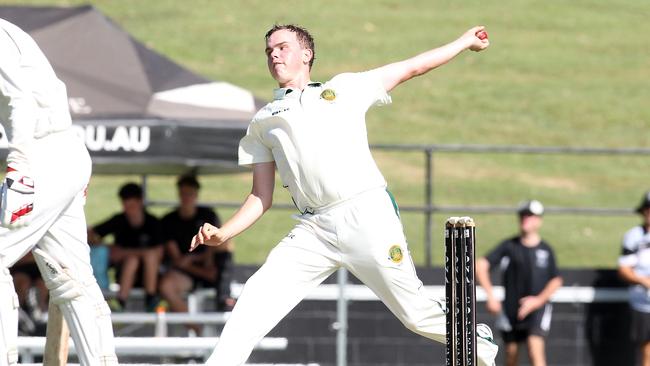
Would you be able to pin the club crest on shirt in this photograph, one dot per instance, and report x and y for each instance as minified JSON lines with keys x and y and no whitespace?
{"x":395,"y":254}
{"x":328,"y":94}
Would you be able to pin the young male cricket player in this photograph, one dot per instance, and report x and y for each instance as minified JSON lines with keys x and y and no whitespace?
{"x":42,"y":199}
{"x":315,"y":134}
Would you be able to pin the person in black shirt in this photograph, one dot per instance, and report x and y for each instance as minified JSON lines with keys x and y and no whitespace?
{"x":138,"y":243}
{"x":530,"y":277}
{"x":209,"y":266}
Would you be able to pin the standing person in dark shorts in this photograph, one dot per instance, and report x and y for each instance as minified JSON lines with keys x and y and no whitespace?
{"x":137,"y":244}
{"x":530,"y":277}
{"x":208,"y":266}
{"x":634,"y":268}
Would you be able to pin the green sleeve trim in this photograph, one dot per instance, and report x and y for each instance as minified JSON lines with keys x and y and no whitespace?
{"x":392,"y":199}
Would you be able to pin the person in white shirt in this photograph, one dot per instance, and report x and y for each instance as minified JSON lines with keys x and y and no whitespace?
{"x":634,"y":268}
{"x":42,"y":199}
{"x":315,"y":134}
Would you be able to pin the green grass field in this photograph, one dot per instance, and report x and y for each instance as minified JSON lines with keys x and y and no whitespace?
{"x":558,"y":73}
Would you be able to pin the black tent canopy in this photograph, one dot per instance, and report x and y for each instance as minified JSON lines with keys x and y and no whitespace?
{"x":138,"y":111}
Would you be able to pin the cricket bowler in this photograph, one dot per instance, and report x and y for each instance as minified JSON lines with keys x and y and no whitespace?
{"x":42,"y":201}
{"x":315,"y":135}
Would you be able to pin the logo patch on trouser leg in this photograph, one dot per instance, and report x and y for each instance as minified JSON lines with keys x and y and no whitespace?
{"x":395,"y":254}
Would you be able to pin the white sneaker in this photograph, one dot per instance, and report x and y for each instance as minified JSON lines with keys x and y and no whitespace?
{"x":486,"y":349}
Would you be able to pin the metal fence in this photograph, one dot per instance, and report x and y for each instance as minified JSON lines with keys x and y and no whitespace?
{"x":429,"y":207}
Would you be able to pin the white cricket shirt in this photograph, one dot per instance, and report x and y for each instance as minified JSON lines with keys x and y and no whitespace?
{"x":33,"y":101}
{"x":636,"y":254}
{"x":318,"y":140}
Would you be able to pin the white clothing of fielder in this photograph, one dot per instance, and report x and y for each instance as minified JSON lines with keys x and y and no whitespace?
{"x":45,"y":153}
{"x":317,"y":138}
{"x":636,"y":254}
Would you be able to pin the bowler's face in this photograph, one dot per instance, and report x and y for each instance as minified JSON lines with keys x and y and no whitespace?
{"x":285,"y":58}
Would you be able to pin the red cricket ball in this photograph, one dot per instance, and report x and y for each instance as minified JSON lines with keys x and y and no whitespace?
{"x":482,"y":35}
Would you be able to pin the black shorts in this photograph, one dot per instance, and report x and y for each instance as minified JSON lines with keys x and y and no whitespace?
{"x":520,"y":335}
{"x":640,"y":326}
{"x":538,"y":323}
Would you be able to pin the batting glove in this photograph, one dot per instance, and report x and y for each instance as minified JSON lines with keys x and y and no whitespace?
{"x":16,"y":199}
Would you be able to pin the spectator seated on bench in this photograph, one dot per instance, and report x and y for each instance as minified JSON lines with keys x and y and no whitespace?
{"x":137,"y":245}
{"x":205,"y":267}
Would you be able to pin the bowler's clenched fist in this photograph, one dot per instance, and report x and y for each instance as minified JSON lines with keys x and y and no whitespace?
{"x":208,"y":235}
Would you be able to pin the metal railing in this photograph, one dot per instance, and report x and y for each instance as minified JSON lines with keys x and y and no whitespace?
{"x":429,"y":208}
{"x":202,"y":347}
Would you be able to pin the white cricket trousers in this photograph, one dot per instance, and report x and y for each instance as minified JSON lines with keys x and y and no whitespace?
{"x":61,"y":167}
{"x":359,"y":234}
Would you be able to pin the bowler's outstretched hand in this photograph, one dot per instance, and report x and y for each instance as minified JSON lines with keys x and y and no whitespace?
{"x":475,"y":42}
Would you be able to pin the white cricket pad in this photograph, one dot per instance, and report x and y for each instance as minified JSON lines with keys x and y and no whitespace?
{"x":57,"y":279}
{"x":84,"y":309}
